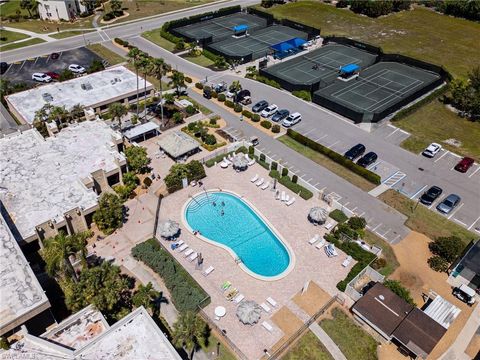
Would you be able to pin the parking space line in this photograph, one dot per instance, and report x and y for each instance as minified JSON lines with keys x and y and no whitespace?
{"x":309,"y":131}
{"x":460,"y":222}
{"x":405,"y":132}
{"x":473,"y":223}
{"x":455,"y":211}
{"x":392,"y":126}
{"x":9,"y":67}
{"x":360,"y":215}
{"x":323,"y":188}
{"x":478,"y":168}
{"x":382,"y":236}
{"x":330,"y":146}
{"x":393,"y":132}
{"x":321,"y":137}
{"x":445,"y":153}
{"x":23,"y":64}
{"x":456,"y":155}
{"x":308,"y":181}
{"x":418,"y":192}
{"x":374,"y":165}
{"x":376,"y":227}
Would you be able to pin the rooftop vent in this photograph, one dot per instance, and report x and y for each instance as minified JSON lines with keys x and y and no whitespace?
{"x":381,"y":297}
{"x":47,"y":97}
{"x":87,"y":86}
{"x":115,"y":80}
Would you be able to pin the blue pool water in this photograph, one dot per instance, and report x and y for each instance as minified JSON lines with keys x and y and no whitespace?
{"x":235,"y":224}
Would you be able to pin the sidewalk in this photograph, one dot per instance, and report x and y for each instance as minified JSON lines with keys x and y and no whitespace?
{"x":29,"y":33}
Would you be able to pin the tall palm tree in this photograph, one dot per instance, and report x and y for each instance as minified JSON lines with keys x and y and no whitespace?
{"x":58,"y":249}
{"x":145,"y":296}
{"x":159,"y":69}
{"x":116,"y":111}
{"x":177,"y":80}
{"x":235,"y":87}
{"x":188,"y":331}
{"x":145,"y":67}
{"x":58,"y":114}
{"x":134,"y":56}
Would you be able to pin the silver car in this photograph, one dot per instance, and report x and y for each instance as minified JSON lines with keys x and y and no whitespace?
{"x":449,"y":203}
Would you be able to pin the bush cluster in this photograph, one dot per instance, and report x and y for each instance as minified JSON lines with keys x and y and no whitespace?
{"x":274,"y":165}
{"x":289,"y":184}
{"x":186,"y":293}
{"x":188,"y":80}
{"x":247,"y":114}
{"x":229,"y":103}
{"x":276,"y":129}
{"x":445,"y":250}
{"x":303,"y":94}
{"x":376,"y":8}
{"x":339,"y":216}
{"x":121,"y":42}
{"x":338,"y":158}
{"x":199,"y":85}
{"x":238,"y":108}
{"x":419,"y":104}
{"x":268,"y":81}
{"x":192,"y":171}
{"x":266,"y":124}
{"x":255,"y":118}
{"x":221,"y":97}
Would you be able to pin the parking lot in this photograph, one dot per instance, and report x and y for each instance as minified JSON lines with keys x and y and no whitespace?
{"x":21,"y":72}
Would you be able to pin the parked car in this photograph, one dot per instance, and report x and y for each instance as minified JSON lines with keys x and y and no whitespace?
{"x":429,"y":196}
{"x":367,"y":159}
{"x":54,"y":56}
{"x":259,"y":106}
{"x":241,"y":95}
{"x":221,"y":87}
{"x":269,"y":110}
{"x":292,"y":119}
{"x":247,"y":100}
{"x":53,"y":75}
{"x":3,"y":67}
{"x":355,"y":152}
{"x":464,"y":164}
{"x":41,"y":77}
{"x":254,"y":140}
{"x":280,"y":115}
{"x":77,"y":69}
{"x":229,"y":94}
{"x":449,"y":203}
{"x":464,"y":293}
{"x":432,"y":150}
{"x":207,"y":92}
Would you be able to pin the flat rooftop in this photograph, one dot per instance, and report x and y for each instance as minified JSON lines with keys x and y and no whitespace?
{"x":88,"y":90}
{"x":41,"y":179}
{"x":20,"y":291}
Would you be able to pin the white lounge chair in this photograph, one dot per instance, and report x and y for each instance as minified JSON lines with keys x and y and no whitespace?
{"x":260,"y":182}
{"x":193,"y":257}
{"x":208,"y":270}
{"x":287,"y":198}
{"x":267,"y":326}
{"x":255,"y":178}
{"x":320,"y":244}
{"x":188,"y":253}
{"x":272,"y":302}
{"x":277,"y":195}
{"x":283,"y":196}
{"x":238,"y":299}
{"x":347,"y":261}
{"x":183,"y":247}
{"x":330,"y":250}
{"x":290,"y":202}
{"x":180,"y":242}
{"x":265,"y":186}
{"x":328,"y":226}
{"x":265,"y":307}
{"x":314,"y":239}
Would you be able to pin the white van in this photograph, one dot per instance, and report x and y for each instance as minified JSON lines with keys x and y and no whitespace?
{"x":292,"y":119}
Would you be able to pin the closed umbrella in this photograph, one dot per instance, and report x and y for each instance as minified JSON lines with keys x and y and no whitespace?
{"x":168,"y":229}
{"x":240,"y":162}
{"x":318,"y":215}
{"x":248,"y":312}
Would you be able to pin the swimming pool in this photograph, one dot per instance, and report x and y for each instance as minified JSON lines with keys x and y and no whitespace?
{"x":226,"y":220}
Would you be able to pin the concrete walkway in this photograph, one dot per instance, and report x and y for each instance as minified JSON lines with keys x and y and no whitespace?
{"x":29,"y":33}
{"x":327,"y":342}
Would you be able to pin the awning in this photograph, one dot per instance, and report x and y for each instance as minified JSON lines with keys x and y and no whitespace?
{"x":285,"y":46}
{"x":140,"y":130}
{"x":240,"y":28}
{"x":350,"y":68}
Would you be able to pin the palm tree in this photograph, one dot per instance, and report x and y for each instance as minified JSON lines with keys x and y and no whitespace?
{"x":177,"y":80}
{"x":145,"y":296}
{"x":77,"y":111}
{"x":58,"y":249}
{"x":235,"y":87}
{"x":145,"y":66}
{"x":58,"y":114}
{"x":26,"y":4}
{"x":116,"y":111}
{"x":188,"y":331}
{"x":134,"y":56}
{"x":159,"y":70}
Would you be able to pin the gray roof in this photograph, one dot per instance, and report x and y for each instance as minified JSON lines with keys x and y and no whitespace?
{"x":140,"y":130}
{"x":177,"y":144}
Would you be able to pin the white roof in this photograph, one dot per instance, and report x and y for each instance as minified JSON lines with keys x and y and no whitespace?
{"x":140,"y":130}
{"x":87,"y":90}
{"x":41,"y":179}
{"x":442,"y":311}
{"x":177,"y":144}
{"x":20,"y":291}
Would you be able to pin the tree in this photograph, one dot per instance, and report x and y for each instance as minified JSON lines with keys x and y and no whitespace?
{"x":134,"y":55}
{"x":95,"y":66}
{"x":252,"y":71}
{"x":357,"y":223}
{"x":189,"y":331}
{"x":145,"y":296}
{"x":109,"y":215}
{"x":437,"y":263}
{"x":235,"y":86}
{"x":397,"y":287}
{"x":26,"y":4}
{"x":116,"y":6}
{"x":137,"y":159}
{"x":77,"y":111}
{"x":58,"y":249}
{"x":159,"y":70}
{"x":145,"y":67}
{"x":58,"y":114}
{"x":66,"y":75}
{"x":449,"y":248}
{"x":177,"y":80}
{"x":177,"y":117}
{"x":117,"y":111}
{"x":220,"y":62}
{"x":474,"y":78}
{"x":194,"y":170}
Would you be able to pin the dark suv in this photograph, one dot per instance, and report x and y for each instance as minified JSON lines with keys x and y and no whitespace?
{"x":241,"y":95}
{"x":367,"y":159}
{"x":355,"y":152}
{"x":430,"y":195}
{"x":259,"y":106}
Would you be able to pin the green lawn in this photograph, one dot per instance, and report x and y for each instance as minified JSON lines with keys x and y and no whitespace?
{"x":45,"y":27}
{"x":420,"y":33}
{"x":434,"y":122}
{"x":354,"y":342}
{"x":107,"y":54}
{"x":326,"y":162}
{"x":66,"y":34}
{"x":308,"y":348}
{"x":211,"y":347}
{"x":21,"y":44}
{"x":423,"y":220}
{"x":387,"y":253}
{"x":10,"y":36}
{"x":154,"y":36}
{"x":199,"y":60}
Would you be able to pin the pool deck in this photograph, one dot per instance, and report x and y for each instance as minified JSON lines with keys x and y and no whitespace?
{"x":290,"y":222}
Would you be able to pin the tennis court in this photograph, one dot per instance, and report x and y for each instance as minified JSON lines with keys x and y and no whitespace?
{"x":257,"y":44}
{"x":380,"y":89}
{"x":221,"y":27}
{"x":319,"y":66}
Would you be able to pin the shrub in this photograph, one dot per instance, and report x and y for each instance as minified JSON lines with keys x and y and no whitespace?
{"x":276,"y":129}
{"x":255,"y":118}
{"x":284,"y":172}
{"x":339,"y":216}
{"x":186,"y":293}
{"x":397,"y":287}
{"x":221,"y":97}
{"x":266,"y":124}
{"x":289,"y":184}
{"x":437,"y":263}
{"x":190,"y":110}
{"x":268,"y":81}
{"x":147,"y":181}
{"x":273,"y":165}
{"x":247,"y":114}
{"x":294,"y":179}
{"x":238,"y":108}
{"x":379,"y":263}
{"x":357,"y":223}
{"x":448,"y":248}
{"x":251,"y":150}
{"x":214,"y":94}
{"x":213,"y":121}
{"x":192,"y":171}
{"x":199,"y":85}
{"x":121,"y":42}
{"x":303,"y":94}
{"x":229,"y":103}
{"x":210,"y":139}
{"x":262,"y":157}
{"x":188,"y":80}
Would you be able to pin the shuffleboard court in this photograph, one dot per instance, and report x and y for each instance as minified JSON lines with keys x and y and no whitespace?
{"x":221,"y":27}
{"x":257,"y":44}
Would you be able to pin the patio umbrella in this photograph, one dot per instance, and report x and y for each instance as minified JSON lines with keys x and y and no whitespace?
{"x":240,"y":162}
{"x":168,"y":229}
{"x":248,"y":312}
{"x":318,"y":215}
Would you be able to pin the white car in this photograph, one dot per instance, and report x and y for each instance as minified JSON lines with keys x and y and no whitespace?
{"x":77,"y":69}
{"x":229,"y":95}
{"x":41,"y":77}
{"x":269,"y":110}
{"x":292,"y":119}
{"x":432,"y":150}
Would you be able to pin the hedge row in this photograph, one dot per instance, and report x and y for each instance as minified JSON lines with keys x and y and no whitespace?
{"x":339,"y":216}
{"x":289,"y":184}
{"x":338,"y":158}
{"x":411,"y":109}
{"x":186,"y":293}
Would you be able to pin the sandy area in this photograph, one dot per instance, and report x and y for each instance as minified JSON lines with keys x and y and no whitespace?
{"x":312,"y":300}
{"x":473,"y":348}
{"x":414,"y":272}
{"x":287,"y":321}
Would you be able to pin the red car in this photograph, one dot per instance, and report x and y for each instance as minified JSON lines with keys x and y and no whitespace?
{"x":53,"y":75}
{"x":464,"y":164}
